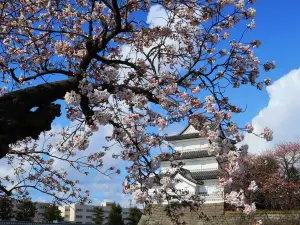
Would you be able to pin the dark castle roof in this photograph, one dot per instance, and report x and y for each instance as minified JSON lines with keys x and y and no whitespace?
{"x":196,"y":177}
{"x":206,"y":175}
{"x":188,"y":155}
{"x":182,"y":137}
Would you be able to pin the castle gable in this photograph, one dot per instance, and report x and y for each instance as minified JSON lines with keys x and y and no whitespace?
{"x":189,"y":130}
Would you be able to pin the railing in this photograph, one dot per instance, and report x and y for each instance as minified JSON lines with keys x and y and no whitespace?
{"x":212,"y":168}
{"x":202,"y":148}
{"x":213,"y":198}
{"x":209,"y":198}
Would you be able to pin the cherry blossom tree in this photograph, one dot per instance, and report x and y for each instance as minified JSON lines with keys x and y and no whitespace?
{"x":281,"y":193}
{"x":285,"y":185}
{"x":288,"y":157}
{"x":73,"y":51}
{"x":275,"y":176}
{"x":254,"y":182}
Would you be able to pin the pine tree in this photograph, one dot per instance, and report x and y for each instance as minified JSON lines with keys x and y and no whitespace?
{"x":98,"y":217}
{"x":134,"y":216}
{"x":25,"y":210}
{"x":6,"y":208}
{"x":52,"y":213}
{"x":115,"y":215}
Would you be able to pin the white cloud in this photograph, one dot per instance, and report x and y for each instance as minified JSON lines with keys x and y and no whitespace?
{"x":104,"y":189}
{"x":281,"y":113}
{"x":41,"y":199}
{"x":101,"y":186}
{"x":173,"y":129}
{"x":157,"y":16}
{"x":7,"y":169}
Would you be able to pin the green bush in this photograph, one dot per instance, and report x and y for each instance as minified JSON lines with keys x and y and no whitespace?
{"x":268,"y":211}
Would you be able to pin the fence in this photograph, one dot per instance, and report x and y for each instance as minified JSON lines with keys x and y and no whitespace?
{"x":5,"y":222}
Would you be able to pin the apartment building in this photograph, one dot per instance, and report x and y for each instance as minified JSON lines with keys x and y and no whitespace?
{"x":74,"y":213}
{"x":82,"y":214}
{"x":40,"y":210}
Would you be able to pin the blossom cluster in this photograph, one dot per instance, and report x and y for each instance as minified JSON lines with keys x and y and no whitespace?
{"x":172,"y":73}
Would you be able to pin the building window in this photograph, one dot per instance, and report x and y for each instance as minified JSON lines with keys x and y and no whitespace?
{"x":78,"y":210}
{"x":88,"y":217}
{"x":78,"y":216}
{"x":67,"y":210}
{"x":89,"y":210}
{"x":78,"y":222}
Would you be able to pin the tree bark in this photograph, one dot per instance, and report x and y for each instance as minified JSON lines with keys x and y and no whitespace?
{"x":17,"y":121}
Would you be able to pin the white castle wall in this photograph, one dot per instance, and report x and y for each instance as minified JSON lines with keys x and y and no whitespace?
{"x":210,"y":187}
{"x":190,"y":144}
{"x":201,"y":164}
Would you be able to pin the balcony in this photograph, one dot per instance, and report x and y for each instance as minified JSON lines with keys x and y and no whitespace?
{"x":213,"y":198}
{"x":201,"y":148}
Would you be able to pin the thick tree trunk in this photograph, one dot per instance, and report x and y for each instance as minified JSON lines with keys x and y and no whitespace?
{"x":18,"y":122}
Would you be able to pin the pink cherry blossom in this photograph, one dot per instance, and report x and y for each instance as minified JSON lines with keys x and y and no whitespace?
{"x":114,"y":69}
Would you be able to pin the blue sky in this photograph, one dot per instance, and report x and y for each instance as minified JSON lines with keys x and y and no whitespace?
{"x":278,"y":106}
{"x":276,"y":25}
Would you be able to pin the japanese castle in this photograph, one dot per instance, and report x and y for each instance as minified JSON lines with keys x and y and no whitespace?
{"x":200,"y":171}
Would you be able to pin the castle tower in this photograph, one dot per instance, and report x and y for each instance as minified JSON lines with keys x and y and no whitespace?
{"x":200,"y":171}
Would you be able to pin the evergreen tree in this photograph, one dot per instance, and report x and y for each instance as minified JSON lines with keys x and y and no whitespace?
{"x":292,"y":174}
{"x":25,"y":210}
{"x":6,"y":208}
{"x":115,"y":215}
{"x":134,"y":216}
{"x":52,"y":213}
{"x":98,"y":217}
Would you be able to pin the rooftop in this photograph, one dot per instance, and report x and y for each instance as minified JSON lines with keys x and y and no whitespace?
{"x":188,"y":133}
{"x":206,"y":175}
{"x":199,"y":176}
{"x":182,"y":137}
{"x":188,"y":155}
{"x":196,"y":177}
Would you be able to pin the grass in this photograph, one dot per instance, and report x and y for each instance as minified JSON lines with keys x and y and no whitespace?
{"x":268,"y":211}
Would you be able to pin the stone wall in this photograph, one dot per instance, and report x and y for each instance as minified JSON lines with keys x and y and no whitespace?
{"x":214,"y":215}
{"x":242,"y":219}
{"x":157,"y":215}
